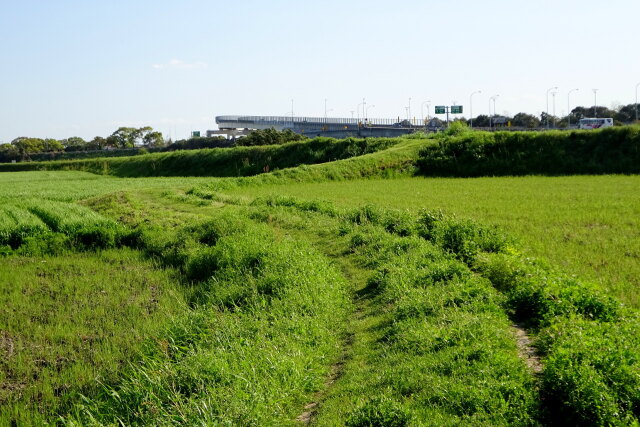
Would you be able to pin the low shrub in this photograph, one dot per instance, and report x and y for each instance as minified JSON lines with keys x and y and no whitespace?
{"x":592,"y":374}
{"x":379,"y":412}
{"x":610,"y":150}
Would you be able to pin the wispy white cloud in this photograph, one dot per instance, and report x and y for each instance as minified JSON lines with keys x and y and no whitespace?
{"x":180,"y":65}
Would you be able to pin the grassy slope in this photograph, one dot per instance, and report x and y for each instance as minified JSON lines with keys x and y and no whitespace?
{"x":67,"y":321}
{"x":586,"y":225}
{"x":545,"y":208}
{"x":222,"y":162}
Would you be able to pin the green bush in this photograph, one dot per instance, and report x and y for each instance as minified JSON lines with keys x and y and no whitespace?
{"x":592,"y":374}
{"x":610,"y":150}
{"x":538,"y":296}
{"x":463,"y":238}
{"x":379,"y":412}
{"x":223,"y":162}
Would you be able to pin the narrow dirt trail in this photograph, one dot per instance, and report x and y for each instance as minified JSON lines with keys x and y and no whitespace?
{"x":526,"y":349}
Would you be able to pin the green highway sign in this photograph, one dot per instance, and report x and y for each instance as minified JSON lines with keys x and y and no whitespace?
{"x":456,"y":109}
{"x":195,"y":134}
{"x":440,"y":109}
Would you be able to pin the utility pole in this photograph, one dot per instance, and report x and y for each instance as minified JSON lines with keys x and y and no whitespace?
{"x":569,"y":107}
{"x":471,"y":107}
{"x":547,"y":98}
{"x":637,"y":101}
{"x":595,"y":103}
{"x":553,"y":95}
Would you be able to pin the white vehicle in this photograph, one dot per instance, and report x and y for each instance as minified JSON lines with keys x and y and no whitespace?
{"x":595,"y":123}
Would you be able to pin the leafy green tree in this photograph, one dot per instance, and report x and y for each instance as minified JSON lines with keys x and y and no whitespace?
{"x":97,"y":143}
{"x":51,"y":144}
{"x":124,"y":137}
{"x":26,"y":145}
{"x":482,"y":121}
{"x":270,"y":137}
{"x":8,"y":152}
{"x":626,"y":114}
{"x":153,"y":139}
{"x":525,"y":120}
{"x":75,"y":143}
{"x":127,"y":137}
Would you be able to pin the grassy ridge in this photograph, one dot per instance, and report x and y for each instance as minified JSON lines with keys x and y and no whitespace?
{"x":69,"y":322}
{"x":588,"y":339}
{"x":263,"y":329}
{"x":586,"y":225}
{"x":260,"y":340}
{"x":45,"y":226}
{"x":610,"y":150}
{"x":221,"y":162}
{"x":267,"y":314}
{"x":444,"y":327}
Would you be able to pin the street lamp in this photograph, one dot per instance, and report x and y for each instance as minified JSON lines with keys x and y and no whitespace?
{"x":358,"y":110}
{"x":409,"y":111}
{"x":553,"y":96}
{"x":325,"y":108}
{"x":422,"y":110}
{"x":364,"y":104}
{"x":471,"y":106}
{"x":595,"y":103}
{"x":370,"y":106}
{"x":547,"y":96}
{"x":637,"y":101}
{"x":292,"y":112}
{"x":569,"y":107}
{"x":493,"y":98}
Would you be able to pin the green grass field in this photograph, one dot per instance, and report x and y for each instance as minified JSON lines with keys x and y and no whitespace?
{"x":322,"y":294}
{"x":586,"y":225}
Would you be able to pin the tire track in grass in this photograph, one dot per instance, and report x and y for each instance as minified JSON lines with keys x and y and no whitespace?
{"x":308,"y":417}
{"x":336,"y":371}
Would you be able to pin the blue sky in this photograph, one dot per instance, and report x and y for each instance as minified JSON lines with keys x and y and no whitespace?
{"x":84,"y":68}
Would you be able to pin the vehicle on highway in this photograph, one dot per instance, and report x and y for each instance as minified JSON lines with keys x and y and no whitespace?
{"x":595,"y":123}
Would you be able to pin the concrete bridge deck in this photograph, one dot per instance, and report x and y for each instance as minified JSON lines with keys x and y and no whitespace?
{"x":322,"y":126}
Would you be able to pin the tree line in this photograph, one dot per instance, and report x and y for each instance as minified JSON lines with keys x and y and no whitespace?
{"x":28,"y":148}
{"x":622,"y":115}
{"x":124,"y":137}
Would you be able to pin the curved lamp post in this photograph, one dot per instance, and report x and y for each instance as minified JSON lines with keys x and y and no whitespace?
{"x":547,"y":97}
{"x":368,"y":108}
{"x":569,"y":107}
{"x":422,"y":110}
{"x":471,"y":107}
{"x":493,"y":98}
{"x":637,"y":101}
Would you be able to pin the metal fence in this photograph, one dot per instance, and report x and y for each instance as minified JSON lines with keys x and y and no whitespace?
{"x":313,"y":122}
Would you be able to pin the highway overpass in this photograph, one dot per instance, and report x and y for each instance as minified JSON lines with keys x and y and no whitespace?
{"x":319,"y":126}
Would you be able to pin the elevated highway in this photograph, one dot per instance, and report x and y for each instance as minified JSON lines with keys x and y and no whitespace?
{"x":321,"y":126}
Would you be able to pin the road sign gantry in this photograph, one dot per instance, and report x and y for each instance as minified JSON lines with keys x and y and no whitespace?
{"x":445,"y":109}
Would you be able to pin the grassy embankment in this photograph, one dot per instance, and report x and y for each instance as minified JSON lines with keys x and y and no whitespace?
{"x":243,"y":275}
{"x":586,"y":225}
{"x":252,"y":332}
{"x":221,"y":162}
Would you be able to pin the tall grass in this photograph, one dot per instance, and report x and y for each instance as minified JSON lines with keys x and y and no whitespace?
{"x":16,"y":224}
{"x":610,"y":150}
{"x":266,"y":328}
{"x":71,"y":322}
{"x":221,"y":162}
{"x":588,"y":339}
